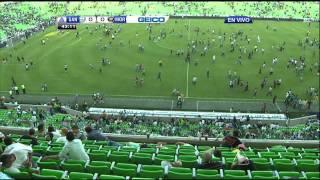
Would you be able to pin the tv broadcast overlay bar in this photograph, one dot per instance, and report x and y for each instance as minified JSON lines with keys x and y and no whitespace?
{"x":147,"y":19}
{"x":119,"y":19}
{"x":111,"y":19}
{"x":238,"y":19}
{"x":90,"y":19}
{"x":73,"y":19}
{"x":67,"y":26}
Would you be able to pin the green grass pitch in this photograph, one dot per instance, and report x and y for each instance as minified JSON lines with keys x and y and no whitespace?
{"x":118,"y":78}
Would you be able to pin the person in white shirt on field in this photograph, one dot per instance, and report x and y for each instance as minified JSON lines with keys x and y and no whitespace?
{"x":72,"y":150}
{"x":194,"y":80}
{"x":213,"y":58}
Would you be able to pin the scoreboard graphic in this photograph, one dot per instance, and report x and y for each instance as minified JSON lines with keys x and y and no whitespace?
{"x":70,"y":22}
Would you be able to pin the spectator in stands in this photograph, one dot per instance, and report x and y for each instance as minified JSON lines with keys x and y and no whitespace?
{"x":63,"y":138}
{"x":93,"y":134}
{"x":52,"y":134}
{"x":183,"y":144}
{"x":136,"y":145}
{"x":77,"y":133}
{"x":208,"y":163}
{"x":171,"y":164}
{"x":4,"y":176}
{"x":21,"y":155}
{"x":7,"y":161}
{"x":242,"y":163}
{"x":41,"y":131}
{"x":72,"y":150}
{"x":34,"y":140}
{"x":232,"y":141}
{"x":2,"y":136}
{"x":241,"y":147}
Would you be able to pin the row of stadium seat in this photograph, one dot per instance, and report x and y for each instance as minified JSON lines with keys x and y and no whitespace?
{"x":123,"y":162}
{"x":102,"y":170}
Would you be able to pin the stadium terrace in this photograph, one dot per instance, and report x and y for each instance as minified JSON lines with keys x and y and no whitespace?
{"x":159,"y":90}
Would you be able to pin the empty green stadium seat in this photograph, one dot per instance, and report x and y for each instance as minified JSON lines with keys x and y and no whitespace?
{"x":151,"y":171}
{"x":72,"y":167}
{"x":263,"y":174}
{"x":128,"y":149}
{"x":283,"y":165}
{"x":35,"y":158}
{"x":204,"y":173}
{"x":123,"y":169}
{"x":39,"y":149}
{"x":294,"y":150}
{"x":203,"y":148}
{"x":170,"y":146}
{"x":188,"y":161}
{"x":103,"y":143}
{"x":228,"y":162}
{"x":98,"y":156}
{"x":57,"y":144}
{"x":307,"y":165}
{"x":311,"y":175}
{"x":186,"y":152}
{"x":21,"y":175}
{"x":70,"y":161}
{"x":78,"y":175}
{"x":289,"y":155}
{"x":39,"y":176}
{"x":179,"y":175}
{"x":167,"y":152}
{"x":287,"y":174}
{"x":47,"y":165}
{"x":161,"y":157}
{"x":122,"y":158}
{"x":272,"y":155}
{"x":109,"y":148}
{"x":309,"y":156}
{"x":235,"y":177}
{"x":142,"y":158}
{"x":112,"y":177}
{"x":91,"y":146}
{"x":50,"y":172}
{"x":261,"y":164}
{"x":100,"y":167}
{"x":53,"y":151}
{"x":147,"y":150}
{"x":311,"y":150}
{"x":203,"y":176}
{"x":234,"y":172}
{"x":277,"y":150}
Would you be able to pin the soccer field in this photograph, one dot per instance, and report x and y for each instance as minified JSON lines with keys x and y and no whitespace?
{"x":118,"y":78}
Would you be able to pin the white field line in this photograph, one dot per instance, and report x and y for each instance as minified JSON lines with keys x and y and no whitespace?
{"x":171,"y":105}
{"x":187,"y":88}
{"x":126,"y":95}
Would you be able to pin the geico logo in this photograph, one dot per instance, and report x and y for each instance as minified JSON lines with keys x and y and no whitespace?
{"x":151,"y":19}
